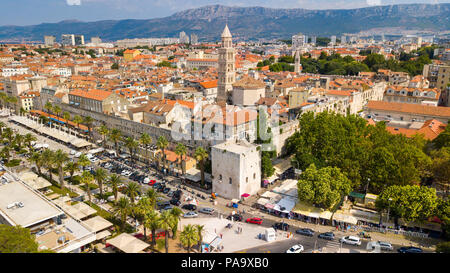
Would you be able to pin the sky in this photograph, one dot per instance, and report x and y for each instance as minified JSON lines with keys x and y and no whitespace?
{"x":30,"y":12}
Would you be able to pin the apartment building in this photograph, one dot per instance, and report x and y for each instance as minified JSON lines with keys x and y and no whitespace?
{"x":100,"y":101}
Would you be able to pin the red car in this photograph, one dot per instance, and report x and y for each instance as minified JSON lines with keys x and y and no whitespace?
{"x":152,"y":182}
{"x":254,"y":220}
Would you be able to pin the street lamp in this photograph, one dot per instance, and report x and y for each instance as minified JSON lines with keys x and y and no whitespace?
{"x":389,"y":207}
{"x":367,"y":185}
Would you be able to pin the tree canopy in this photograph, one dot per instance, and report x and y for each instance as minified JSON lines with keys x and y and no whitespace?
{"x":323,"y":187}
{"x":16,"y":239}
{"x":411,"y":203}
{"x":367,"y":154}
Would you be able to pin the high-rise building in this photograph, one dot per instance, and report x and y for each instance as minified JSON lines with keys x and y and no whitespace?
{"x":383,"y":39}
{"x":226,"y":69}
{"x":49,"y":40}
{"x":298,"y":40}
{"x":184,"y":38}
{"x":297,"y":67}
{"x":194,"y":39}
{"x":96,"y":40}
{"x":343,"y":39}
{"x":79,"y":39}
{"x":333,"y":40}
{"x":313,"y":40}
{"x":68,"y":39}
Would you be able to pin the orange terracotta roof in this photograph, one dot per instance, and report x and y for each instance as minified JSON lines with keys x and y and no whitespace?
{"x":410,"y":108}
{"x":94,"y":94}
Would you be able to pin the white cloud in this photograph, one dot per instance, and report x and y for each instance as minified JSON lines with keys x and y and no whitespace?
{"x":73,"y":2}
{"x":373,"y":2}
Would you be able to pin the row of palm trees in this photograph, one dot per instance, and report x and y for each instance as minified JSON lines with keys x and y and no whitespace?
{"x":57,"y":111}
{"x":9,"y":101}
{"x":115,"y":136}
{"x":144,"y":211}
{"x":14,"y":140}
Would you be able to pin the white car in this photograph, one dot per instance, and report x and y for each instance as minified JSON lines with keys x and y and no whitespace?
{"x":73,"y":152}
{"x":295,"y":249}
{"x":351,"y":240}
{"x":78,"y":154}
{"x":190,"y":214}
{"x":382,"y":245}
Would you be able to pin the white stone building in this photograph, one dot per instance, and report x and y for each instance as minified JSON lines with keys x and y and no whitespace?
{"x":236,"y":169}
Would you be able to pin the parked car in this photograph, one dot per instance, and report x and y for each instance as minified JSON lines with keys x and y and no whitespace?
{"x":166,"y":190}
{"x":305,"y":231}
{"x":236,"y":217}
{"x":327,"y":236}
{"x":410,"y":249}
{"x":295,"y":249}
{"x":189,"y":207}
{"x":190,"y":214}
{"x":351,"y":240}
{"x":175,"y":202}
{"x":254,"y":220}
{"x":281,"y":226}
{"x":382,"y":245}
{"x":207,"y":210}
{"x":167,"y":207}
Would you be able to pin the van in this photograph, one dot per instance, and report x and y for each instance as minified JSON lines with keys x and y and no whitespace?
{"x":351,"y":240}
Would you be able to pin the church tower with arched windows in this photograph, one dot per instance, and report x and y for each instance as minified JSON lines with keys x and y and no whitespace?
{"x":227,"y":62}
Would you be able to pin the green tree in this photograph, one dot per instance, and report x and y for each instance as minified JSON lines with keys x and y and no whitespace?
{"x":201,"y":155}
{"x":146,"y":140}
{"x":132,"y":145}
{"x":176,"y":213}
{"x":152,"y":222}
{"x":100,"y":176}
{"x":323,"y":187}
{"x":162,"y":144}
{"x":132,"y":190}
{"x":267,"y":169}
{"x":60,"y":158}
{"x":114,"y":182}
{"x":165,"y":220}
{"x":83,"y":161}
{"x":49,"y":161}
{"x":115,"y":135}
{"x":104,"y":131}
{"x":86,"y":179}
{"x":37,"y":159}
{"x":181,"y":151}
{"x":71,"y":167}
{"x":411,"y":203}
{"x":88,"y":120}
{"x":16,"y":239}
{"x":189,"y":236}
{"x":443,"y":139}
{"x":123,"y":209}
{"x":443,"y":247}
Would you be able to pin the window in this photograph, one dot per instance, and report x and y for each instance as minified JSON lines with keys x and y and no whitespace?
{"x":246,"y":179}
{"x":254,"y":175}
{"x":220,"y":177}
{"x":231,"y":180}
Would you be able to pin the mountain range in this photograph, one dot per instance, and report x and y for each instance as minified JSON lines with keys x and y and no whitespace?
{"x":248,"y":23}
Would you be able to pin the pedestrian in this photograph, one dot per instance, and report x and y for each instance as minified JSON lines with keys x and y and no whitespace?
{"x":221,"y":236}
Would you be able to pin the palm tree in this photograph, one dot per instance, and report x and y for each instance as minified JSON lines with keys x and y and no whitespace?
{"x":11,"y":100}
{"x":37,"y":159}
{"x":77,"y":120}
{"x":176,"y":215}
{"x":48,"y":160}
{"x":189,"y":236}
{"x":200,"y":230}
{"x":44,"y":119}
{"x":57,"y":110}
{"x":5,"y":153}
{"x":84,"y":161}
{"x":165,"y":220}
{"x":201,"y":155}
{"x":115,"y":135}
{"x":19,"y":139}
{"x":100,"y":176}
{"x":152,"y":222}
{"x":132,"y":190}
{"x":131,"y":144}
{"x":123,"y":208}
{"x":153,"y":195}
{"x":146,"y":140}
{"x":66,"y":116}
{"x":8,"y":133}
{"x":71,"y":167}
{"x":86,"y":179}
{"x":48,"y":106}
{"x":181,"y":151}
{"x":114,"y":182}
{"x":104,"y":131}
{"x":162,"y":144}
{"x":28,"y":139}
{"x":60,"y":158}
{"x":89,"y":121}
{"x":141,"y":210}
